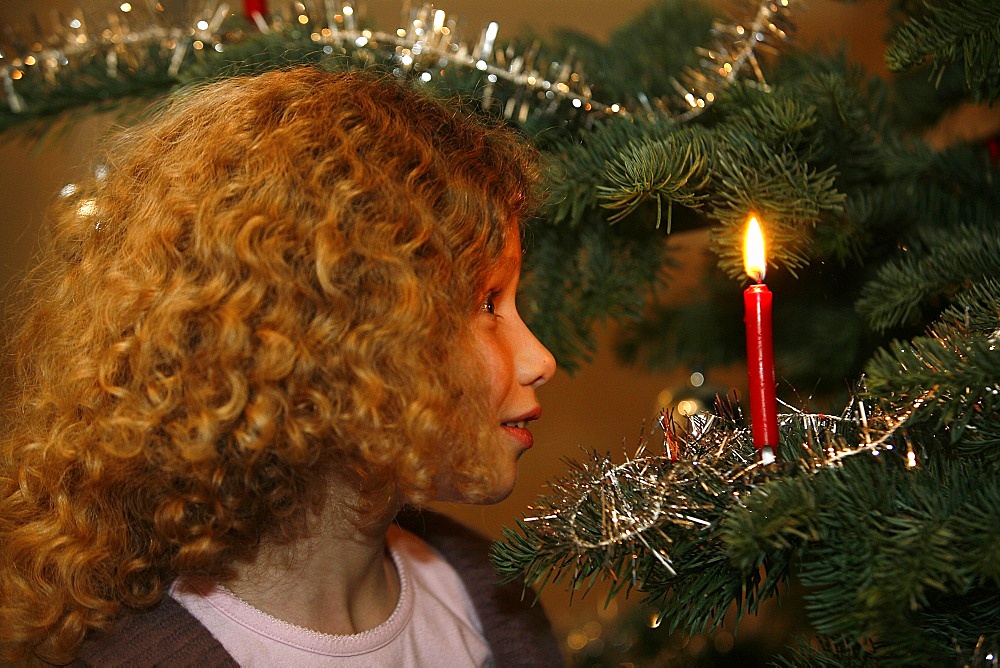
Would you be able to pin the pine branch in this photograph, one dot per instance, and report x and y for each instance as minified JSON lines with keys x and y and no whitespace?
{"x":821,"y":335}
{"x":578,"y":276}
{"x":672,"y":170}
{"x":750,"y":153}
{"x":758,"y":166}
{"x":94,"y":85}
{"x":577,"y":167}
{"x":956,"y":259}
{"x":652,"y":521}
{"x":946,"y":32}
{"x":822,"y":652}
{"x":896,"y":540}
{"x":889,"y":565}
{"x":953,"y":371}
{"x":603,"y":514}
{"x":619,"y":71}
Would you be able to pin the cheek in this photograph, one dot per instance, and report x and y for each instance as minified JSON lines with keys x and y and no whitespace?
{"x":497,"y":365}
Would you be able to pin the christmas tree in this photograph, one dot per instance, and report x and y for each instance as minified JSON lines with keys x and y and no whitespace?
{"x":884,"y":505}
{"x":885,"y":512}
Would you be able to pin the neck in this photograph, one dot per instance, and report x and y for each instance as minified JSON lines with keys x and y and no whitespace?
{"x":339,"y":579}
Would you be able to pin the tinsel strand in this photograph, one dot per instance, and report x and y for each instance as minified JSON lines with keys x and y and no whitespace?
{"x":424,"y":46}
{"x":713,"y":458}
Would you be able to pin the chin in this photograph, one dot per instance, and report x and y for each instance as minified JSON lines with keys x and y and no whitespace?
{"x":501,"y":486}
{"x":497,"y":489}
{"x":496,"y":496}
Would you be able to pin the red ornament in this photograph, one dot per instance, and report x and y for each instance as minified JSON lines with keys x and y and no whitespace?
{"x":252,"y":7}
{"x":993,"y":146}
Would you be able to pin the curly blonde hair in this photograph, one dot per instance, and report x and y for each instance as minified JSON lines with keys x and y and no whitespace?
{"x":271,"y":288}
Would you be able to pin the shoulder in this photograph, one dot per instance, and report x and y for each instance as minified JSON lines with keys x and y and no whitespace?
{"x":165,"y":634}
{"x":516,"y":628}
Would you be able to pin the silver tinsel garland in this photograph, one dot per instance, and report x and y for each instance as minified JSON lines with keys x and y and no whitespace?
{"x":604,"y":514}
{"x":425,"y":45}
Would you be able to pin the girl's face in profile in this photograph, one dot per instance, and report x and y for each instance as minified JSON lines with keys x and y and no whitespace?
{"x":516,"y":363}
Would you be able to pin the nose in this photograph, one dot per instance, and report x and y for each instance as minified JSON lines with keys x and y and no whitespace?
{"x":536,"y":364}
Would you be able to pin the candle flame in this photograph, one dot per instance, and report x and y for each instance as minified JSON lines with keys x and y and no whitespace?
{"x":753,"y":251}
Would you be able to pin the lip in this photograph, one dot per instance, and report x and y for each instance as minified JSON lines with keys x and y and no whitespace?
{"x":522,"y":435}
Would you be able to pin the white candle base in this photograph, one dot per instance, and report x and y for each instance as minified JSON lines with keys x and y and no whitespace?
{"x":767,"y":455}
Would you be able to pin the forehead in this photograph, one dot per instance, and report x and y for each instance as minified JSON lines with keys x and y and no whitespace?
{"x":510,"y":258}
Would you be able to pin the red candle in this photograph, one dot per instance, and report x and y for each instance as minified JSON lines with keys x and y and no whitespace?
{"x":760,"y":348}
{"x":258,"y":7}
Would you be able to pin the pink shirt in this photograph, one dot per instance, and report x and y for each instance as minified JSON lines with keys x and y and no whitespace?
{"x":434,"y":622}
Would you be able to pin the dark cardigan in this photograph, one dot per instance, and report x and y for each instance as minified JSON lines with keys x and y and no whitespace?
{"x":518,"y":632}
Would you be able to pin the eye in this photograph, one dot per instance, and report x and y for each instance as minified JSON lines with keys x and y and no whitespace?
{"x":489,"y":304}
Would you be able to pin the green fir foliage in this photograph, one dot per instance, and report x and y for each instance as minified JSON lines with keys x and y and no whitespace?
{"x":947,"y":31}
{"x":907,"y":558}
{"x":894,"y":245}
{"x":954,"y":262}
{"x":952,"y":374}
{"x":579,"y":276}
{"x":633,"y":61}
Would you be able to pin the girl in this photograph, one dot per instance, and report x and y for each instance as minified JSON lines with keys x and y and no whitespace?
{"x":286,"y":313}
